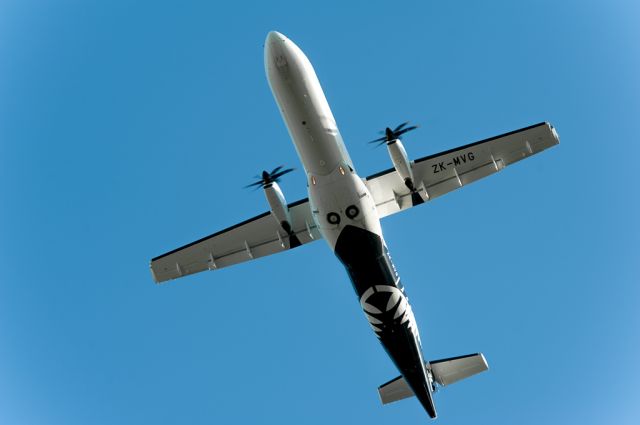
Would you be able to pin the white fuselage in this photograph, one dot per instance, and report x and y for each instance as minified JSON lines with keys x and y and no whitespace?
{"x":344,"y":210}
{"x":334,"y":186}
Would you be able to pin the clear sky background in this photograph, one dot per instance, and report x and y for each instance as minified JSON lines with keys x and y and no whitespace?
{"x":128,"y":128}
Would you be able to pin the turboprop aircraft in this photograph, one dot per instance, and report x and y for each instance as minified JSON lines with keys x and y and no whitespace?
{"x":345,"y":210}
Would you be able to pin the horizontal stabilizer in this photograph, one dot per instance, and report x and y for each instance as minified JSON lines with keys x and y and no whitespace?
{"x":394,"y":390}
{"x":448,"y":371}
{"x":444,"y":371}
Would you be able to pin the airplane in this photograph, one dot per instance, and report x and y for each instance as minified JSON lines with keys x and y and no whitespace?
{"x":345,"y":210}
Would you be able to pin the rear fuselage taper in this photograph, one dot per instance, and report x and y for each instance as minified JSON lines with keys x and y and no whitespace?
{"x":344,"y":211}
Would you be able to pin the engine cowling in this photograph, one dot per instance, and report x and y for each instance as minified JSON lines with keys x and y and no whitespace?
{"x":401,"y":162}
{"x":402,"y":165}
{"x":280,"y":210}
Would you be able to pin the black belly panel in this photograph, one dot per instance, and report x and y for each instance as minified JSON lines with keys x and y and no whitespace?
{"x":381,"y":295}
{"x":365,"y":258}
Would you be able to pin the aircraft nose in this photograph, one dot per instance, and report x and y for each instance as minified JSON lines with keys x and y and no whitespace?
{"x":276,"y":51}
{"x":282,"y":56}
{"x":275,"y":37}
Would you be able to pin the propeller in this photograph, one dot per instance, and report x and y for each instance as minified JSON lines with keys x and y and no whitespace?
{"x":390,"y":135}
{"x":270,"y":177}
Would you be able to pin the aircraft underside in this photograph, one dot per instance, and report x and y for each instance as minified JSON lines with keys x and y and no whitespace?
{"x":345,"y":210}
{"x":386,"y":306}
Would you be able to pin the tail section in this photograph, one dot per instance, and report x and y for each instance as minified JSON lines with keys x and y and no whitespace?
{"x":444,"y":372}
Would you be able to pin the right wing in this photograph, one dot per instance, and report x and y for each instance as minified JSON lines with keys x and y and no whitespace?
{"x":253,"y":238}
{"x":436,"y":175}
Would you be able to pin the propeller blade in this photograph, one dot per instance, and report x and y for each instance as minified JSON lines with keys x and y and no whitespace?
{"x":401,"y":132}
{"x":390,"y":135}
{"x":269,"y":177}
{"x":381,"y":139}
{"x":398,"y":128}
{"x":281,"y":173}
{"x":257,"y":184}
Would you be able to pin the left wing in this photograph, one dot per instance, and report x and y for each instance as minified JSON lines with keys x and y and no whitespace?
{"x":254,"y":238}
{"x":444,"y":172}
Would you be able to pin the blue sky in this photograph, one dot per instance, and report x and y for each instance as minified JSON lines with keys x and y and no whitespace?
{"x":129,"y":128}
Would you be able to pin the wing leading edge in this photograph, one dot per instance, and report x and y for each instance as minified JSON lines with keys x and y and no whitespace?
{"x":436,"y":175}
{"x":254,"y":238}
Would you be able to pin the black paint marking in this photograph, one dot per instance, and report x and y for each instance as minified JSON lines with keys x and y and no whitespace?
{"x":409,"y":184}
{"x":457,"y":161}
{"x":416,"y":199}
{"x":452,"y":358}
{"x":368,"y":264}
{"x":440,"y":166}
{"x":333,"y":218}
{"x":294,"y":241}
{"x":464,"y":158}
{"x":352,"y":211}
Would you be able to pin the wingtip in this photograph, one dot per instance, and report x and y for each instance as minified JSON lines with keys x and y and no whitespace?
{"x":153,"y":273}
{"x":484,"y":359}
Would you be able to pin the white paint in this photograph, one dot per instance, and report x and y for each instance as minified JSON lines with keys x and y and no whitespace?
{"x":317,"y":139}
{"x":400,"y":160}
{"x":277,"y":203}
{"x":397,"y":298}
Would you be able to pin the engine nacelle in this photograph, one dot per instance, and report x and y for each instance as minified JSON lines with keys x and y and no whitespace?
{"x":403,"y":168}
{"x":401,"y":162}
{"x":278,"y":205}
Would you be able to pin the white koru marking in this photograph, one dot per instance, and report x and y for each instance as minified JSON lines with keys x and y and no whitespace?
{"x":397,"y":300}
